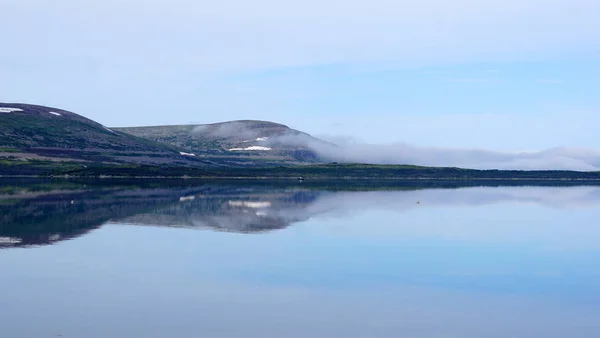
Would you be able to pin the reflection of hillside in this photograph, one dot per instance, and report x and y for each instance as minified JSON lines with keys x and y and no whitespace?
{"x":258,"y":211}
{"x":44,"y":218}
{"x":34,"y":216}
{"x":44,"y":213}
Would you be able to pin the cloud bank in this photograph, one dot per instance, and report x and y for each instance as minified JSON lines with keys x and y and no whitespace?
{"x":552,"y":159}
{"x":345,"y":150}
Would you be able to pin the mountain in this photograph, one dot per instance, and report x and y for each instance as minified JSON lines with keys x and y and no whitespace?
{"x":31,"y":132}
{"x":244,"y":142}
{"x":35,"y":136}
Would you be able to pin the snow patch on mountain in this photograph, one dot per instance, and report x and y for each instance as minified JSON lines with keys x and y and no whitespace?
{"x":6,"y":110}
{"x":259,"y":148}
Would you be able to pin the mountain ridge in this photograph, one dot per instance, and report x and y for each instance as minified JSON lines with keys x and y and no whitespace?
{"x":238,"y":141}
{"x":35,"y":132}
{"x":43,"y":141}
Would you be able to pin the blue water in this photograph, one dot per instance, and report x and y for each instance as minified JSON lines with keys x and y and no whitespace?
{"x":296,"y":262}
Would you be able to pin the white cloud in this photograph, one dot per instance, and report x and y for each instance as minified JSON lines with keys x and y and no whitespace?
{"x":552,"y":159}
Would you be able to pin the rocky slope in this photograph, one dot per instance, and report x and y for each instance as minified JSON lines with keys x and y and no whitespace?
{"x":30,"y":132}
{"x":245,"y":142}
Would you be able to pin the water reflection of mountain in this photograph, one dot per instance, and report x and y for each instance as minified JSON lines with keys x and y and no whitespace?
{"x":249,"y":211}
{"x":38,"y":214}
{"x":44,"y":218}
{"x":44,"y":212}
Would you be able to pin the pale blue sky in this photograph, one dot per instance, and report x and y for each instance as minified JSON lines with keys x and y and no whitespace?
{"x":503,"y":75}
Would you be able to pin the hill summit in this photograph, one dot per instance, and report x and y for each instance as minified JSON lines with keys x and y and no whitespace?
{"x":236,"y":142}
{"x":38,"y":132}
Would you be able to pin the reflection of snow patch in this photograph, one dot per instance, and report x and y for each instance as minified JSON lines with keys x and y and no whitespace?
{"x":9,"y":110}
{"x":54,"y":237}
{"x":262,"y":138}
{"x":261,"y":214}
{"x":187,"y":198}
{"x":10,"y":240}
{"x":248,"y":204}
{"x":54,"y":113}
{"x":250,"y":148}
{"x":186,"y":154}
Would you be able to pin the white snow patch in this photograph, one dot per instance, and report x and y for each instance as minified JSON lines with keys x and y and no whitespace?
{"x":186,"y":154}
{"x":9,"y":110}
{"x":247,"y":204}
{"x":54,"y":113}
{"x":112,"y":131}
{"x":187,"y":198}
{"x":250,"y":148}
{"x":10,"y":240}
{"x":262,"y":138}
{"x":258,"y":148}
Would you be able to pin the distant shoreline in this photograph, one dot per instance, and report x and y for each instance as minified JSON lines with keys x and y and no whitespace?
{"x":319,"y":179}
{"x":324,"y":172}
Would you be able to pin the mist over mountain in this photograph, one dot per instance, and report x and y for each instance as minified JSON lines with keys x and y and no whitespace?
{"x":401,"y":153}
{"x":260,"y":139}
{"x":243,"y":142}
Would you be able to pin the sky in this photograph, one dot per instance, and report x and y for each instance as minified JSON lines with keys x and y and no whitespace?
{"x":498,"y":75}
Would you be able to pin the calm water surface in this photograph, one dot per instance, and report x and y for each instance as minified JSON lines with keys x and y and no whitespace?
{"x":244,"y":260}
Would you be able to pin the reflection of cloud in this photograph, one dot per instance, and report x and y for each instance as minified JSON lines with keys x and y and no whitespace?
{"x":500,"y":212}
{"x":542,"y":217}
{"x":553,"y":197}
